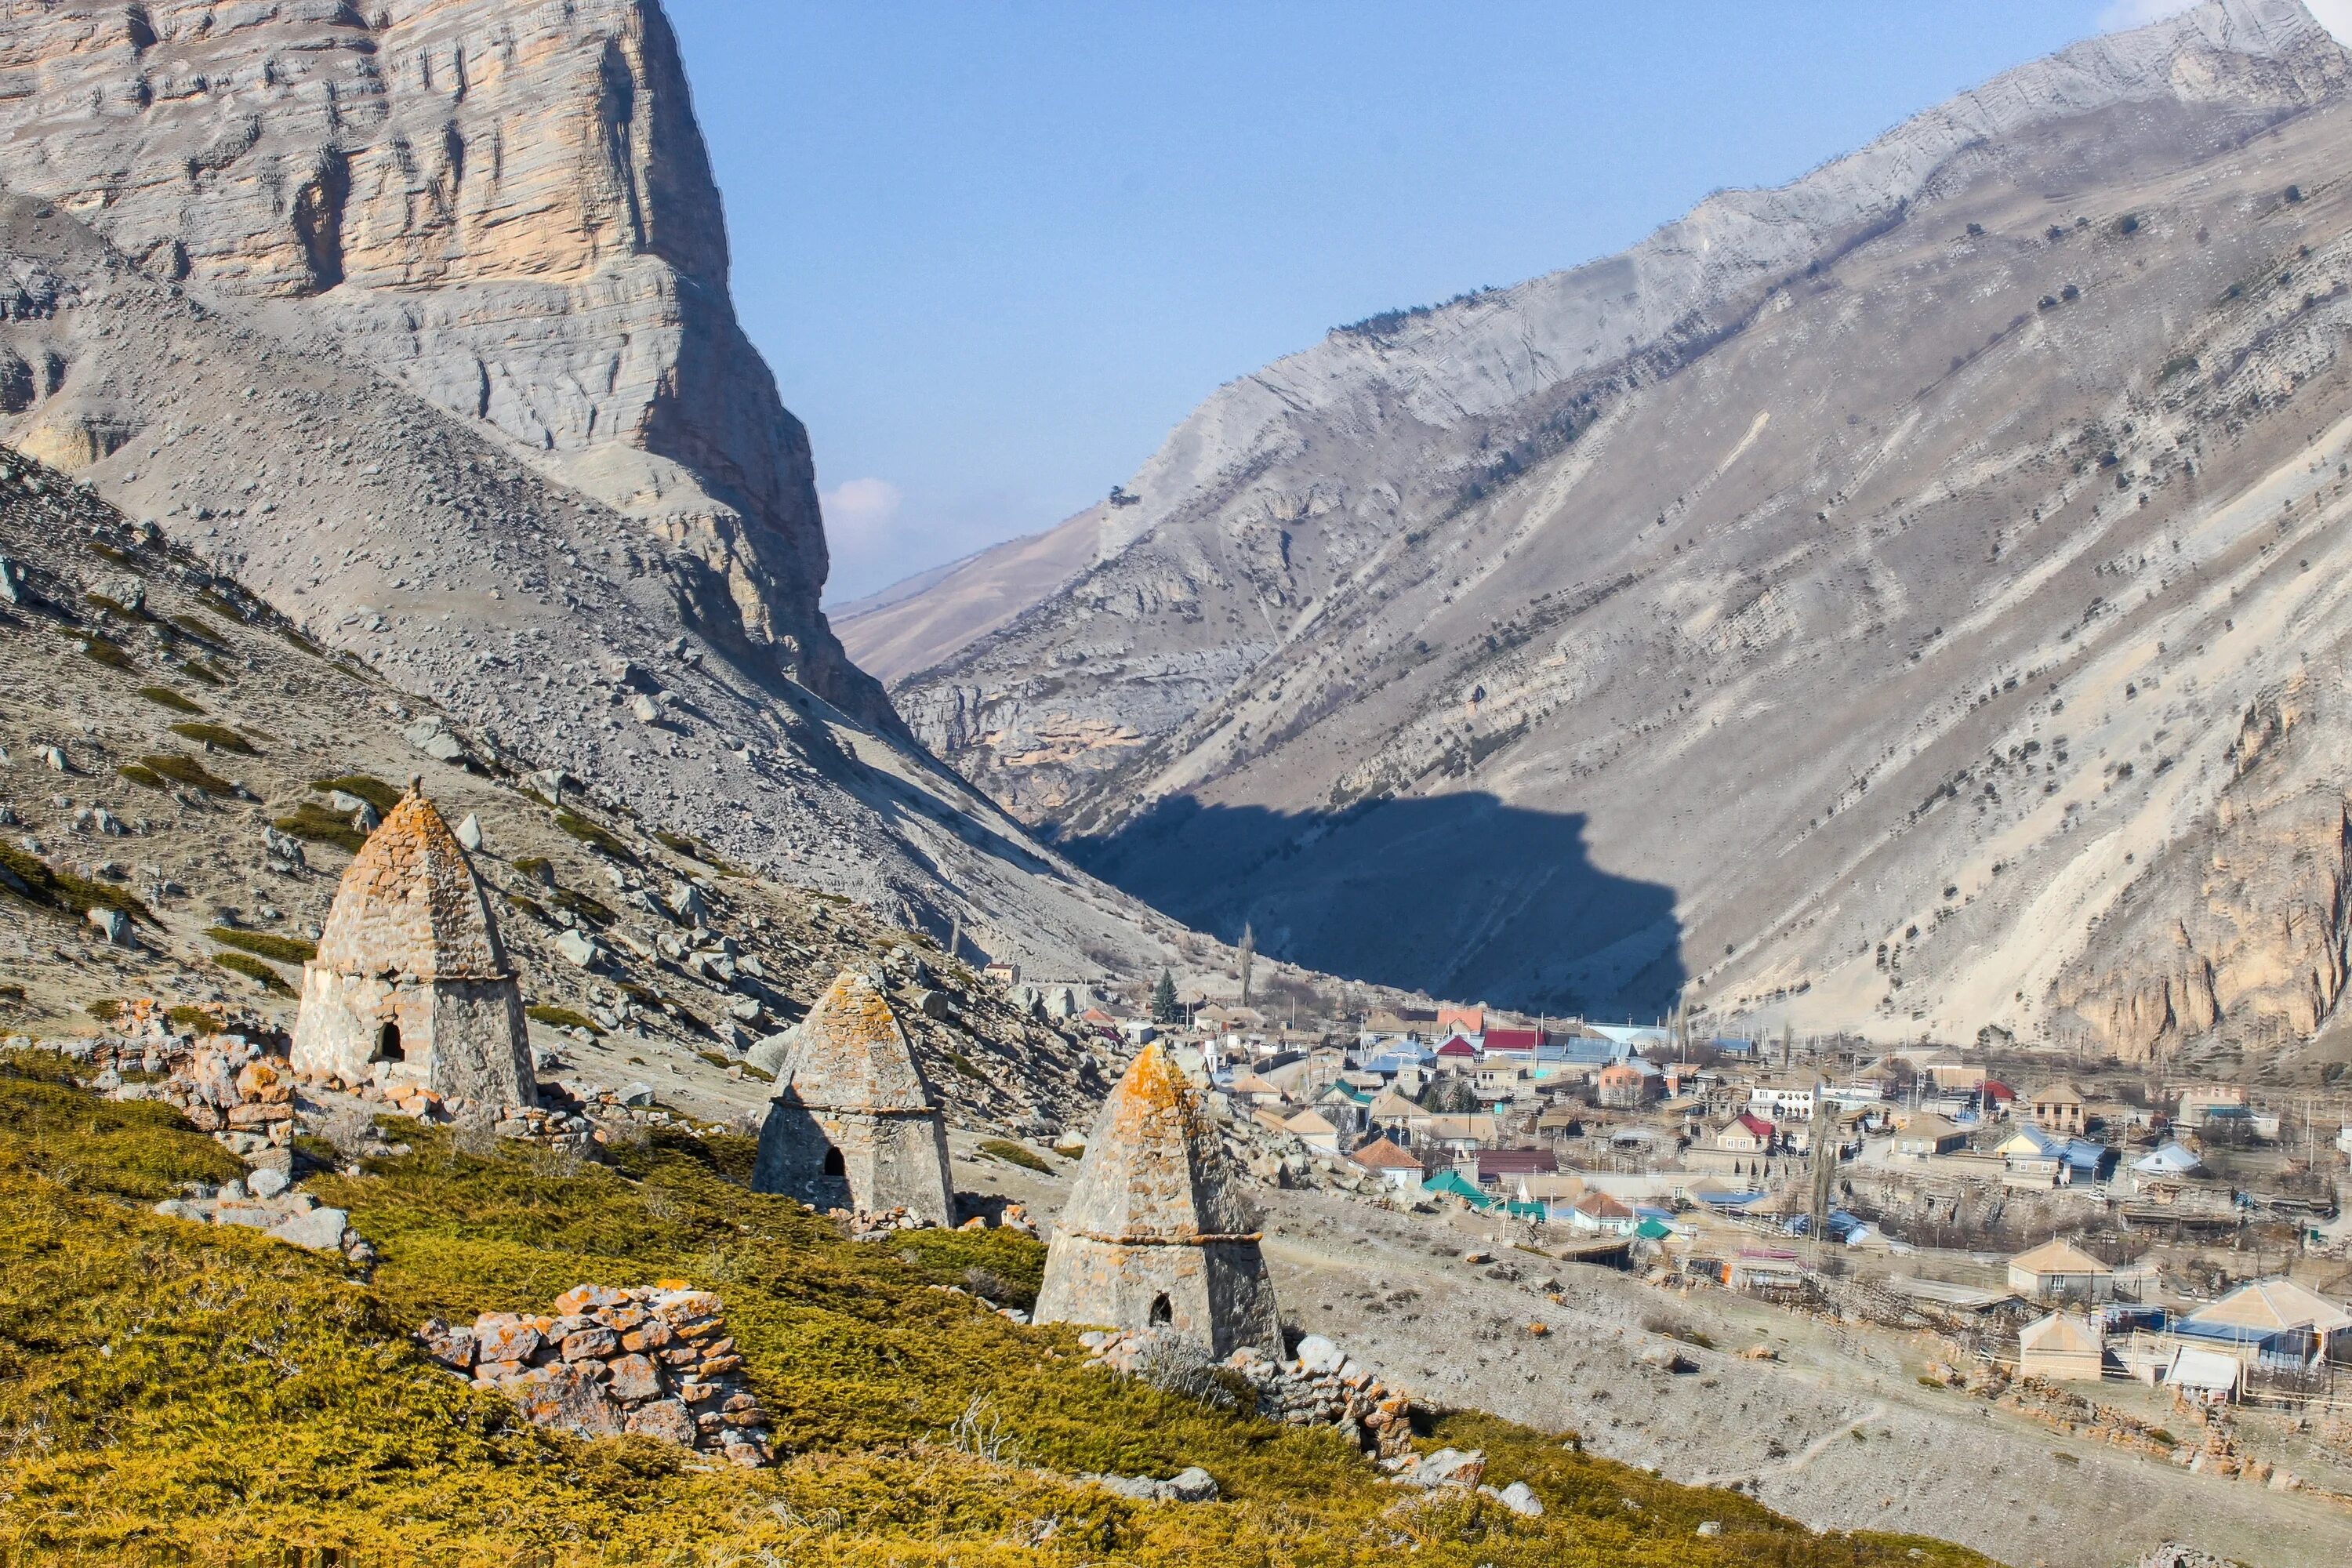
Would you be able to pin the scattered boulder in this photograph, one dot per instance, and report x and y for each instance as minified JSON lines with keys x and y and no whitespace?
{"x":578,"y":948}
{"x":470,"y":834}
{"x":1445,"y":1467}
{"x":1519,"y":1496}
{"x":433,"y":737}
{"x":1192,"y":1484}
{"x":113,"y":925}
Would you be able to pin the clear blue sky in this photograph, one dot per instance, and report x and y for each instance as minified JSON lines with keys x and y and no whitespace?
{"x":995,"y":251}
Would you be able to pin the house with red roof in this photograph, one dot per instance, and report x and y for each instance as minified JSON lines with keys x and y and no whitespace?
{"x":1746,"y":1133}
{"x":1501,"y":1041}
{"x":1457,"y":1050}
{"x":1596,"y":1211}
{"x":1471,"y":1021}
{"x":1392,"y":1164}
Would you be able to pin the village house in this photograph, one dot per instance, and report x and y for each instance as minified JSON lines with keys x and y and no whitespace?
{"x":1923,"y":1137}
{"x":1624,"y":1086}
{"x":2060,"y":1271}
{"x":1599,"y":1213}
{"x":1391,"y":1163}
{"x":1781,"y":1102}
{"x":1253,"y":1089}
{"x":1470,"y":1022}
{"x":1392,"y":1112}
{"x":2204,"y":1103}
{"x":1507,"y":1167}
{"x":2064,"y":1347}
{"x":2058,"y":1108}
{"x":1454,"y":1134}
{"x":2282,"y":1322}
{"x":1315,"y":1129}
{"x":1502,"y":1041}
{"x":1746,"y":1133}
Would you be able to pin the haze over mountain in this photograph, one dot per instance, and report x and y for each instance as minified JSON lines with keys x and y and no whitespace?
{"x":415,"y":316}
{"x":1847,"y":602}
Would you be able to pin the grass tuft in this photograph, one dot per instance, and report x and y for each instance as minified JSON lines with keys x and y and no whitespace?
{"x":164,"y":697}
{"x":1013,"y":1153}
{"x":374,"y":791}
{"x":596,"y":837}
{"x":255,"y":969}
{"x":188,"y":773}
{"x":314,"y":822}
{"x":262,"y":944}
{"x":219,"y":737}
{"x":562,"y":1018}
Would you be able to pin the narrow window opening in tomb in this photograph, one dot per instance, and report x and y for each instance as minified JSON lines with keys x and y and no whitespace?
{"x":1162,"y":1311}
{"x":833,"y":1164}
{"x":387,"y":1044}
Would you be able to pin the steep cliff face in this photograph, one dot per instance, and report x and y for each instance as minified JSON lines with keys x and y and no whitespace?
{"x":1835,"y":605}
{"x":507,"y":207}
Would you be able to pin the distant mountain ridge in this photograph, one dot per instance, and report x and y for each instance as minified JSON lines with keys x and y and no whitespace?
{"x":1696,"y":617}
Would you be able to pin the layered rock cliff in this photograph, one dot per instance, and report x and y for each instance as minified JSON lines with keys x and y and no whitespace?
{"x":1778,"y":610}
{"x":507,"y":207}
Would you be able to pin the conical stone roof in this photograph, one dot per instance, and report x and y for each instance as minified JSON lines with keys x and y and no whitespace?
{"x":1155,"y":1171}
{"x":853,"y":1055}
{"x":409,"y":903}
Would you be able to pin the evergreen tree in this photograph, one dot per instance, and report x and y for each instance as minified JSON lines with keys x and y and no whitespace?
{"x":1165,"y":1009}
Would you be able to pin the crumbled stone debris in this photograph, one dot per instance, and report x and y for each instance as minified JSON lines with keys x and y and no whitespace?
{"x":267,"y":1204}
{"x":1321,"y":1386}
{"x":1014,"y":1216}
{"x":657,"y":1362}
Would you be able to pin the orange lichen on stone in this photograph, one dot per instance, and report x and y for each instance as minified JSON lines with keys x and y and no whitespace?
{"x":1156,"y":1231}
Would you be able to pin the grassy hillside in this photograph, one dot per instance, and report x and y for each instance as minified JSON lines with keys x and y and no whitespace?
{"x":172,"y":1391}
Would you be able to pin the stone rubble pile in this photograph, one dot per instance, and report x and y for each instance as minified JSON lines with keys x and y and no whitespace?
{"x":657,"y":1362}
{"x":1321,"y":1386}
{"x":266,"y":1203}
{"x":230,"y":1081}
{"x":1013,"y":1217}
{"x":1461,"y":1470}
{"x":863,"y":1226}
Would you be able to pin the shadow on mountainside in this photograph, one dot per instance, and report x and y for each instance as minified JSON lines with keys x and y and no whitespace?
{"x":1458,"y":896}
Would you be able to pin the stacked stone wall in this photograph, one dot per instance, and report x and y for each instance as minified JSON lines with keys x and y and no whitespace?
{"x":657,"y":1361}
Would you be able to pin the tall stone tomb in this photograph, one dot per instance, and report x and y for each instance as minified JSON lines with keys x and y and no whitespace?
{"x":411,"y":983}
{"x":1157,"y":1231}
{"x":853,"y":1124}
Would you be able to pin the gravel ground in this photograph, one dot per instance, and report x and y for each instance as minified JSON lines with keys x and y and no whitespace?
{"x":1837,"y":1432}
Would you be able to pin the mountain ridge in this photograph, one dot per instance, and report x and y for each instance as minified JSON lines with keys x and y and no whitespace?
{"x":1756,"y":615}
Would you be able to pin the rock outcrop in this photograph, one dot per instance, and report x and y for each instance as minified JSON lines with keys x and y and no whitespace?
{"x":508,"y":208}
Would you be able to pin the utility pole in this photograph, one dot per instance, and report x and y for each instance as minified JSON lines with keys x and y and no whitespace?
{"x":1248,"y":954}
{"x":1824,"y":1170}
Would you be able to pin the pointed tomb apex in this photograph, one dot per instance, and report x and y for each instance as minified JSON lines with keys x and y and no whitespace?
{"x":1157,"y":1231}
{"x":853,"y":1124}
{"x":411,"y":982}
